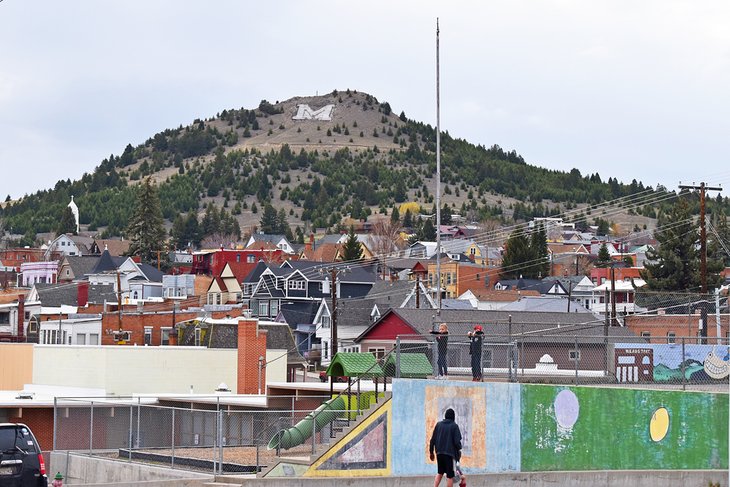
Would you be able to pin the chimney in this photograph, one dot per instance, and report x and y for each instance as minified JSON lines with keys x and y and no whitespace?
{"x":82,"y":294}
{"x":21,"y":316}
{"x":251,"y":347}
{"x":309,"y":246}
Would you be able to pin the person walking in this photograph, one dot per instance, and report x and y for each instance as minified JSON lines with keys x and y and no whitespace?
{"x":476,"y":338}
{"x":442,"y":348}
{"x":446,"y":444}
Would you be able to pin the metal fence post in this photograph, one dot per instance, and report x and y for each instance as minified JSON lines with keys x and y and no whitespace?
{"x":220,"y":440}
{"x":576,"y":360}
{"x":172,"y":440}
{"x":131,"y":431}
{"x":314,"y":430}
{"x":510,"y":351}
{"x":91,"y":430}
{"x":684,"y":374}
{"x":397,"y":358}
{"x":139,"y":414}
{"x":55,"y":422}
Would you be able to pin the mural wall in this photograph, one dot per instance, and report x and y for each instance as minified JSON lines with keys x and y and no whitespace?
{"x":590,"y":428}
{"x":364,"y":451}
{"x":512,"y":427}
{"x":670,"y":362}
{"x":488,"y":415}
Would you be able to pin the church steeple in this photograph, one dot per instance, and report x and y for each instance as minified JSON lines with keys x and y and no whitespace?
{"x":75,"y":211}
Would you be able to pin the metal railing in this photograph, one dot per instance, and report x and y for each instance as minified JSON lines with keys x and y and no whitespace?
{"x":672,"y":362}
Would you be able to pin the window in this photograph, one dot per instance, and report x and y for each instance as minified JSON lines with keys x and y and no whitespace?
{"x":93,"y":338}
{"x":238,"y":257}
{"x":26,"y":315}
{"x":250,"y":259}
{"x":263,"y":308}
{"x":165,"y":336}
{"x":671,"y":337}
{"x":646,"y":335}
{"x":574,"y":355}
{"x":148,"y":335}
{"x":80,"y":339}
{"x":197,"y":336}
{"x":325,"y":320}
{"x":297,"y":285}
{"x":5,"y":318}
{"x":378,"y":352}
{"x":274,"y":307}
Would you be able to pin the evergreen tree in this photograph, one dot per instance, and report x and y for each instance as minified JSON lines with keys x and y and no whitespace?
{"x":211,"y":223}
{"x":427,"y":232}
{"x":177,"y":232}
{"x":516,"y":255}
{"x":539,"y":250}
{"x":407,"y":219}
{"x":604,"y":258}
{"x":191,"y":235}
{"x":446,"y":215}
{"x":67,"y":224}
{"x":395,"y":215}
{"x":269,"y":222}
{"x":674,"y":266}
{"x":351,"y":249}
{"x":282,"y":226}
{"x":146,"y":230}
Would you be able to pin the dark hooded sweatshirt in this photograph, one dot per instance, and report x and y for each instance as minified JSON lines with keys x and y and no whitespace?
{"x":446,"y":437}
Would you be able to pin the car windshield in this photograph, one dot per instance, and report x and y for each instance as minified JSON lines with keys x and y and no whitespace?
{"x":9,"y":439}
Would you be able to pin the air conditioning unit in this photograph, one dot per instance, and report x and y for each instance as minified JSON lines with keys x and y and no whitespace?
{"x":122,"y":336}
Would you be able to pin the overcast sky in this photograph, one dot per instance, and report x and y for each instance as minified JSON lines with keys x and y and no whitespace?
{"x":623,"y":88}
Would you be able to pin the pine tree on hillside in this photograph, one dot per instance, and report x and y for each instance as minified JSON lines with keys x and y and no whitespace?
{"x":538,"y":247}
{"x":145,"y":229}
{"x":67,"y":224}
{"x":269,"y":222}
{"x":351,"y":249}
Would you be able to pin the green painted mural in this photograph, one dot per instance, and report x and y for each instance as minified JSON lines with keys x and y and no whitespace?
{"x":587,"y":428}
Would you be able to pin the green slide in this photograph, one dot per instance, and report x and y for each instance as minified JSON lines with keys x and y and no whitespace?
{"x":298,"y":434}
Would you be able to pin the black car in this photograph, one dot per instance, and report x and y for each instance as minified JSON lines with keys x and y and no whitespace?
{"x":21,"y":461}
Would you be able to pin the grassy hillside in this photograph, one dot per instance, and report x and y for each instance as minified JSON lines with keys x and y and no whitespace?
{"x":366,"y":159}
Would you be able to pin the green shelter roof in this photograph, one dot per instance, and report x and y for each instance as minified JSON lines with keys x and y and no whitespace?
{"x":354,"y":364}
{"x":412,"y":365}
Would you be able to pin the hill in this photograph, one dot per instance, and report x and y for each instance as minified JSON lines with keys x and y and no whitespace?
{"x":320,"y":159}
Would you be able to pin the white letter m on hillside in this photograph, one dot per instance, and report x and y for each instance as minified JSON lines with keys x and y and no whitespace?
{"x":306,"y":113}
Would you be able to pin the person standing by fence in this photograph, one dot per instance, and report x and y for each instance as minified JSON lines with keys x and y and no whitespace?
{"x":476,"y":339}
{"x":442,"y":349}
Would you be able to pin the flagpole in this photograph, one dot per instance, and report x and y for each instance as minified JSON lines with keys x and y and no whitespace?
{"x":438,"y":172}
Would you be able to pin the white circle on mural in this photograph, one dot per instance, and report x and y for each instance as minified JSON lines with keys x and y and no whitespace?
{"x":566,"y":408}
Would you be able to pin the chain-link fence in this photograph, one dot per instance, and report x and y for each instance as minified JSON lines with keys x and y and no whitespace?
{"x":222,"y":439}
{"x":675,"y":362}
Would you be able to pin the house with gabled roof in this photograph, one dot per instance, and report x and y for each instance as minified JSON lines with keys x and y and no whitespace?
{"x":134,"y":280}
{"x":226,"y":287}
{"x":116,"y":247}
{"x":76,"y":267}
{"x":277,"y":241}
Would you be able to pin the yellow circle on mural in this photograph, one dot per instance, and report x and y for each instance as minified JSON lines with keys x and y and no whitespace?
{"x":659,"y":425}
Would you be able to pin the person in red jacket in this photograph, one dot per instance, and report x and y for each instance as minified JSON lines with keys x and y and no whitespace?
{"x":446,"y":444}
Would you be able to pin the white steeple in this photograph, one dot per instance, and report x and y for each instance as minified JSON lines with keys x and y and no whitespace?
{"x":75,"y":211}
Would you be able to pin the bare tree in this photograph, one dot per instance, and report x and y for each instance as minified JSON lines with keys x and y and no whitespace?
{"x":219,"y":240}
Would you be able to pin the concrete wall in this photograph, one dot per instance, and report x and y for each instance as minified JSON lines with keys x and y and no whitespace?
{"x":127,"y":370}
{"x":88,"y":471}
{"x":16,"y":365}
{"x":97,"y":472}
{"x":523,"y":428}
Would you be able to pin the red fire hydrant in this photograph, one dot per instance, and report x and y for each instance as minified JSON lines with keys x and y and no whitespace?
{"x":57,"y":480}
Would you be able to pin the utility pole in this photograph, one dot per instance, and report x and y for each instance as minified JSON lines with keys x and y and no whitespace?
{"x":703,"y":254}
{"x":119,"y":301}
{"x":418,"y":290}
{"x":438,"y":173}
{"x":334,"y":272}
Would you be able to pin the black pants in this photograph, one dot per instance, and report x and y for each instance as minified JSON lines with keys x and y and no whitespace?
{"x":476,"y":365}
